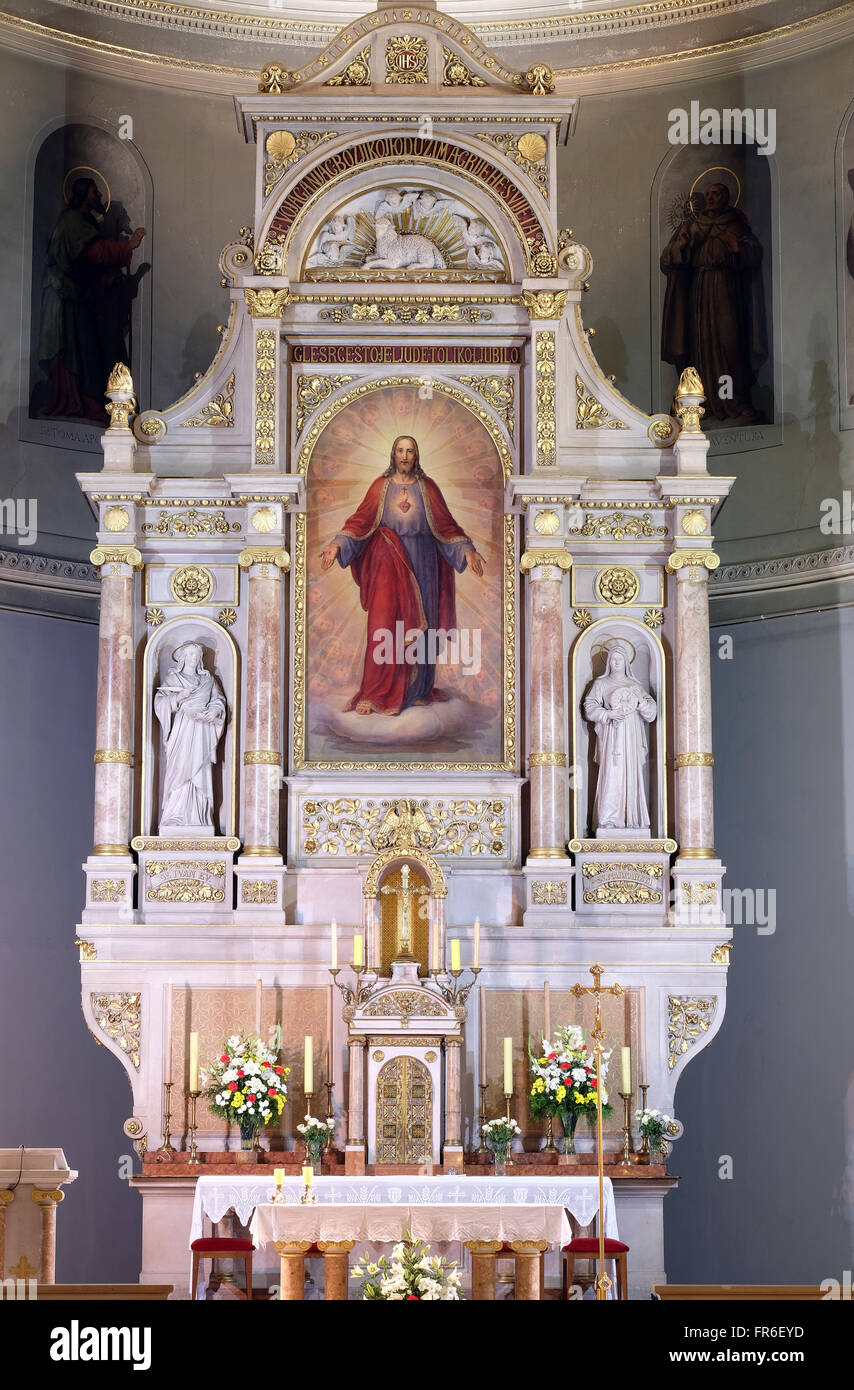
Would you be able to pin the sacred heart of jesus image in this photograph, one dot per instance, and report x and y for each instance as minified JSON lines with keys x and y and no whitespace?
{"x":404,"y":557}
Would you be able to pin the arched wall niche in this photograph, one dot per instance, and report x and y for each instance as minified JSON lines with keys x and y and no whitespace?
{"x":588,"y":659}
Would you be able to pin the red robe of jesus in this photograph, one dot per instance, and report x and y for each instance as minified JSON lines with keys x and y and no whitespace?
{"x":390,"y":591}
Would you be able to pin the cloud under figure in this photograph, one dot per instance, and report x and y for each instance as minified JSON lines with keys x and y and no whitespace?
{"x":418,"y":724}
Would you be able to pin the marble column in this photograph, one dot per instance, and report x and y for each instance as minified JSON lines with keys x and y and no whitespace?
{"x":356,"y":1110}
{"x":336,"y":1268}
{"x":453,"y":1100}
{"x":483,"y":1254}
{"x":528,"y":1258}
{"x":262,"y":757}
{"x":693,"y":761}
{"x":114,"y":707}
{"x":48,"y":1201}
{"x":547,"y":760}
{"x":292,"y":1255}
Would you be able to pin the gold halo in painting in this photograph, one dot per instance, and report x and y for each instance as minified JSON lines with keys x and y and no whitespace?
{"x":718,"y":169}
{"x":97,"y":177}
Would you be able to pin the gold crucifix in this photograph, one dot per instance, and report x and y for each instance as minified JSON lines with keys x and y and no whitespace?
{"x":603,"y":1282}
{"x":404,"y":914}
{"x":23,"y":1269}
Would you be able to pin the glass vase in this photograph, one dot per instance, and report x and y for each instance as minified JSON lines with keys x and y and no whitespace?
{"x":569,"y":1119}
{"x":247,"y":1134}
{"x":499,"y":1157}
{"x":314,"y":1156}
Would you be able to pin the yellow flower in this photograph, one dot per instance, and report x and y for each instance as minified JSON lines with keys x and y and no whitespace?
{"x":578,"y":1097}
{"x":560,"y":1092}
{"x":237,"y":1098}
{"x":542,"y":1061}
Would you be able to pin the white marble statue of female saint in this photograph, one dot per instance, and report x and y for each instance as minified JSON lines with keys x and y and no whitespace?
{"x":620,"y":708}
{"x":192,"y":710}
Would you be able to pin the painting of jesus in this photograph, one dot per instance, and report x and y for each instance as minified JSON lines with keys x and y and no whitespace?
{"x":403,"y":569}
{"x":403,"y":547}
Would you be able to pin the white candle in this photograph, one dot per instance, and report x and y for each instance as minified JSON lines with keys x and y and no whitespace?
{"x":547,"y":1012}
{"x":358,"y":951}
{"x":167,"y":1060}
{"x":308,"y":1085}
{"x":334,"y":944}
{"x":476,"y":944}
{"x":194,"y":1061}
{"x":455,"y":954}
{"x":258,"y":1006}
{"x":627,"y":1070}
{"x":308,"y":1175}
{"x":278,"y":1176}
{"x":508,"y":1066}
{"x":642,"y":1034}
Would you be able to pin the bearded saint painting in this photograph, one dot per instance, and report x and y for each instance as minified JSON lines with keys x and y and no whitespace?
{"x":404,"y":611}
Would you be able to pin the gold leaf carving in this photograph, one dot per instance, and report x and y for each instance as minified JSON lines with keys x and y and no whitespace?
{"x":590,"y":414}
{"x":688,"y":1018}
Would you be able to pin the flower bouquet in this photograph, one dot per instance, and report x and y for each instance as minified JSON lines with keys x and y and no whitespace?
{"x":246,"y":1086}
{"x":411,"y":1273}
{"x":316,"y":1135}
{"x":653,"y":1125}
{"x":499,"y":1135}
{"x":564,"y":1082}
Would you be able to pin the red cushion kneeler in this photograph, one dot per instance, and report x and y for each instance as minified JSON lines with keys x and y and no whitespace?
{"x":222,"y":1244}
{"x":589,"y":1245}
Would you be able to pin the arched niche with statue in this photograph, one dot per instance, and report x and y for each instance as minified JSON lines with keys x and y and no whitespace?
{"x":618,"y":681}
{"x":404,"y":910}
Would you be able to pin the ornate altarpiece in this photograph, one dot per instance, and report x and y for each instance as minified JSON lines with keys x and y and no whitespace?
{"x":405,"y":263}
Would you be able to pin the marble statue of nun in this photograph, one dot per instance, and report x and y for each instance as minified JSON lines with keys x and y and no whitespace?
{"x":192,"y":710}
{"x":620,"y":708}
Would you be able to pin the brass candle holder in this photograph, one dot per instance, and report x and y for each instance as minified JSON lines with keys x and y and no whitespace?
{"x":550,"y":1147}
{"x":643,"y":1155}
{"x":278,"y":1197}
{"x":193,"y":1096}
{"x":308,"y":1198}
{"x":166,"y":1146}
{"x":628,"y":1143}
{"x":482,"y":1150}
{"x":508,"y":1096}
{"x":329,"y":1087}
{"x":309,"y":1097}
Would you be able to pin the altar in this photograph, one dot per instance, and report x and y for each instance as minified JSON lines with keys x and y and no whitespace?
{"x":403,"y":723}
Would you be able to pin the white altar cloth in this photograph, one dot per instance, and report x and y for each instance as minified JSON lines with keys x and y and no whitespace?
{"x":577,"y":1195}
{"x":386,"y":1223}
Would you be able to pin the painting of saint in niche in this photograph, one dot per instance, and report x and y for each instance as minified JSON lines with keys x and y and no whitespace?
{"x":404,"y":583}
{"x":87,"y":231}
{"x":715,"y":264}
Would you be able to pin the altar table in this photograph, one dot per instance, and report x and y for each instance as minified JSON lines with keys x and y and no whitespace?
{"x":524,"y":1230}
{"x":578,"y":1196}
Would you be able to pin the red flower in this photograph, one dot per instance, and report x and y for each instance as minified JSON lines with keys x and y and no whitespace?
{"x":592,"y":1080}
{"x":251,"y":1099}
{"x":272,"y":1091}
{"x":232,"y":1085}
{"x":278,"y":1070}
{"x":224,"y":1057}
{"x":551,"y":1056}
{"x":565,"y":1066}
{"x":240,"y":1071}
{"x":412,"y":1298}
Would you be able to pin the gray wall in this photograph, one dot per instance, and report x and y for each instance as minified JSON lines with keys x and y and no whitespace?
{"x":56,"y":1087}
{"x":775,"y":1089}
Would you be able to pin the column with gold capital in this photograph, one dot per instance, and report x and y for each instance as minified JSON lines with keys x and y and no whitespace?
{"x":114,"y":701}
{"x":262,"y":754}
{"x":547,"y":761}
{"x":697,"y":885}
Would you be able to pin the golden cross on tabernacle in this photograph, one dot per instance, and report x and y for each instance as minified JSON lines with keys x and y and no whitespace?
{"x":603,"y":1282}
{"x":404,"y":918}
{"x":23,"y":1269}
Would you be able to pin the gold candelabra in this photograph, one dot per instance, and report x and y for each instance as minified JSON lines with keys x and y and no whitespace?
{"x":508,"y":1096}
{"x":329,"y":1087}
{"x":454,"y":994}
{"x":550,"y":1138}
{"x":643,"y":1155}
{"x":628,"y":1143}
{"x":166,"y":1146}
{"x":193,"y":1096}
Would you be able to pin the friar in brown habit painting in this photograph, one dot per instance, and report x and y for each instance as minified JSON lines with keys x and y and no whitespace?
{"x":714,"y":308}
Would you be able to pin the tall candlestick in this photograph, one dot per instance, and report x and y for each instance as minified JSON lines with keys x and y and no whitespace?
{"x":508,"y":1066}
{"x":642,"y":1034}
{"x":329,"y":1033}
{"x":547,"y":1012}
{"x":476,"y":944}
{"x":627,"y":1069}
{"x":358,"y":951}
{"x":258,"y":1007}
{"x":194,"y":1062}
{"x":167,"y":1059}
{"x":334,"y":944}
{"x":482,"y":1011}
{"x":308,"y":1083}
{"x":455,"y":954}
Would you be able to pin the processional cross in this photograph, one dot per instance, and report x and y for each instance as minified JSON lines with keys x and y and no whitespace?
{"x":404,"y":914}
{"x":603,"y":1282}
